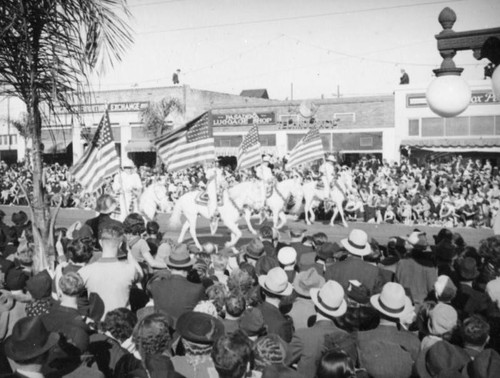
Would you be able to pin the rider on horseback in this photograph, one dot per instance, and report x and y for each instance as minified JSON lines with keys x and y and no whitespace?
{"x":265,"y":174}
{"x":327,"y":170}
{"x":214,"y":172}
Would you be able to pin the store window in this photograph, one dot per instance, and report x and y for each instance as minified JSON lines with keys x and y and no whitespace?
{"x":413,"y":125}
{"x":457,"y":126}
{"x":267,"y":140}
{"x":482,"y":125}
{"x":432,"y":127}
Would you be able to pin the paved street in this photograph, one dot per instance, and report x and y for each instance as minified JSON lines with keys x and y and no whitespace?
{"x":380,"y":232}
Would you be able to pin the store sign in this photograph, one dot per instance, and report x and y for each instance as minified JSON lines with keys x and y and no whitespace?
{"x":478,"y":97}
{"x":243,"y":119}
{"x":100,"y":108}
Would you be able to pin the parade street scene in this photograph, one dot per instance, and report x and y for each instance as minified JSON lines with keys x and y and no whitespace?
{"x":249,"y":189}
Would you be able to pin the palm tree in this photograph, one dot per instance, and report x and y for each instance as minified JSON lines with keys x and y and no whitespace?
{"x":48,"y":50}
{"x":154,"y":117}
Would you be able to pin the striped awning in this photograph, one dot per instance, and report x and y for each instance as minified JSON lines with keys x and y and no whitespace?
{"x":233,"y":151}
{"x":485,"y":144}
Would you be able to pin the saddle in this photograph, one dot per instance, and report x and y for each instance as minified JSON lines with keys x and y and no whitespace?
{"x":202,"y":199}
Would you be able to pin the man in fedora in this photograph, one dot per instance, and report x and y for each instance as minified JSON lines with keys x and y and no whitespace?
{"x":110,"y":277}
{"x":252,"y":251}
{"x":105,"y":206}
{"x":174,"y":294}
{"x":275,"y":286}
{"x":389,"y":350}
{"x":303,"y":306}
{"x":468,"y":300}
{"x":417,"y":272}
{"x":353,"y":267}
{"x":29,"y":347}
{"x":307,"y":344}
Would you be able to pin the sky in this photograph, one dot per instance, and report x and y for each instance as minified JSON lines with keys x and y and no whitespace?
{"x":294,"y":48}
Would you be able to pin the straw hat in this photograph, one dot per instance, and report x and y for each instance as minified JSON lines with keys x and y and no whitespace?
{"x":276,"y":282}
{"x":180,"y":257}
{"x":330,"y":299}
{"x":392,"y":301}
{"x":307,"y":280}
{"x":357,"y":243}
{"x":287,"y":256}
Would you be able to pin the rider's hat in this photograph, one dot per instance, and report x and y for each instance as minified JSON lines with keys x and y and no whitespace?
{"x":331,"y":158}
{"x":266,"y":159}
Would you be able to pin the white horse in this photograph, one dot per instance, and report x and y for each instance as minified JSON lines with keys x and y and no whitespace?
{"x":242,"y":199}
{"x":312,"y":196}
{"x":281,"y":195}
{"x":153,"y":197}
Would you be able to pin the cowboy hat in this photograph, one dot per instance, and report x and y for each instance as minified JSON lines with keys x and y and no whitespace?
{"x":29,"y":339}
{"x":276,"y":282}
{"x":330,"y":299}
{"x":331,"y":158}
{"x":254,"y":249}
{"x":392,"y":301}
{"x":106,"y":204}
{"x":199,"y":327}
{"x":180,"y":257}
{"x":357,"y":243}
{"x":266,"y":159}
{"x":307,"y":280}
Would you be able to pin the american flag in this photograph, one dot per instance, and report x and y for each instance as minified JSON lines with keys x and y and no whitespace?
{"x":309,"y":148}
{"x":100,"y":160}
{"x":249,"y":153}
{"x":190,"y":144}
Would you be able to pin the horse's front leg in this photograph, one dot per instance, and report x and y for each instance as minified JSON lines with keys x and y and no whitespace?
{"x":235,"y":234}
{"x":184,"y":229}
{"x":247,"y":213}
{"x":192,"y":231}
{"x":282,"y":217}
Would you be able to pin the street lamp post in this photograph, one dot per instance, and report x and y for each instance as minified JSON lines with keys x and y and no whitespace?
{"x":449,"y":95}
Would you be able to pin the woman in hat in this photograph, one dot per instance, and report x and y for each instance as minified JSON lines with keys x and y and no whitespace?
{"x":198,"y":332}
{"x":152,"y":336}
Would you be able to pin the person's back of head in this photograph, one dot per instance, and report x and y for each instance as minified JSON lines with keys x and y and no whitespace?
{"x":71,"y":284}
{"x":266,"y":233}
{"x":232,"y":355}
{"x":152,"y":228}
{"x":235,"y":304}
{"x":319,"y":239}
{"x":111,"y":237}
{"x":335,"y":364}
{"x":80,"y":250}
{"x":475,"y":331}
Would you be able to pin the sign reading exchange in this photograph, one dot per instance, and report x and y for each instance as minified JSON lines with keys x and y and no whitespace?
{"x":243,"y":119}
{"x":100,"y":108}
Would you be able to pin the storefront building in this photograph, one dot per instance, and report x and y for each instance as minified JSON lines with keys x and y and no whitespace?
{"x":350,"y":127}
{"x":475,"y":133}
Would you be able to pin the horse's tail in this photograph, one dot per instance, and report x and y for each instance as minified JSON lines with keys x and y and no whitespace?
{"x":175,"y":218}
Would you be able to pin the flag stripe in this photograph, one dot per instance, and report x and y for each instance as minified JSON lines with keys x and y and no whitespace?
{"x":100,"y":160}
{"x":191,"y":144}
{"x":249,"y":153}
{"x":309,"y":148}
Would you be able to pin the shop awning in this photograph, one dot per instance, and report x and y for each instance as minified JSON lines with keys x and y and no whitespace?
{"x":233,"y":151}
{"x":139,"y":146}
{"x":490,"y":144}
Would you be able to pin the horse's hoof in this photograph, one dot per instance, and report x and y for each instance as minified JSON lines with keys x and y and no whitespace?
{"x":346,"y":225}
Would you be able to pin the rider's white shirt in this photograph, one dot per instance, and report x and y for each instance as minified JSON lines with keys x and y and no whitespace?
{"x":128,"y":182}
{"x":264,"y":173}
{"x":327,"y":170}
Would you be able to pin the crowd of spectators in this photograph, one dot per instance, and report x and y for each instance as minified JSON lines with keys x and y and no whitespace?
{"x":124,"y":301}
{"x":455,"y":192}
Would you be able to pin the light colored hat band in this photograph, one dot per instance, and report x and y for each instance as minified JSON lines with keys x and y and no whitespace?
{"x":354,"y":245}
{"x":329,"y":308}
{"x":183,"y":261}
{"x":390,"y":310}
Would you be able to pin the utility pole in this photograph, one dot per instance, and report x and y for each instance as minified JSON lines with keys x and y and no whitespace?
{"x":291,"y":91}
